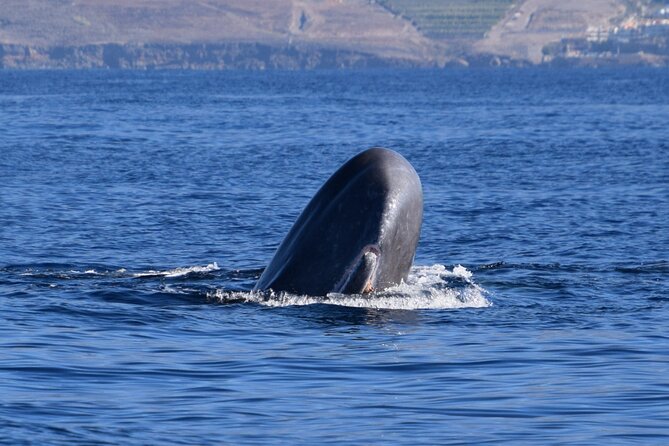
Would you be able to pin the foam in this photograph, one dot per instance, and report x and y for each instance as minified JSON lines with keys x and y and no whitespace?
{"x":427,"y":287}
{"x":179,"y":272}
{"x":122,"y":272}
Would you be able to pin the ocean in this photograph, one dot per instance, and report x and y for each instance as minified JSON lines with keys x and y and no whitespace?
{"x":138,"y":208}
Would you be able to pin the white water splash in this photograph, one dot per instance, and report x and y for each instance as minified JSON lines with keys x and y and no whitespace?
{"x":122,"y":272}
{"x":428,"y":287}
{"x":179,"y":272}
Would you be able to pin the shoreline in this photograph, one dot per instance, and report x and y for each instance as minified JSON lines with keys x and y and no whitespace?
{"x":261,"y":57}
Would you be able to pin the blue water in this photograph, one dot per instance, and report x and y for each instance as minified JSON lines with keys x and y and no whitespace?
{"x":137,"y":209}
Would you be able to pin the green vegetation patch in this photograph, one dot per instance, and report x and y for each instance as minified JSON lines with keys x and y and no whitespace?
{"x":441,"y":19}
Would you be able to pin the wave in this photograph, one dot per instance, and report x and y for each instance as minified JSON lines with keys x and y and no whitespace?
{"x":427,"y":287}
{"x":64,"y":272}
{"x":179,"y":272}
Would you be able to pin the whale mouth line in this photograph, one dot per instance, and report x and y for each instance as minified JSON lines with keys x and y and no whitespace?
{"x":360,"y":276}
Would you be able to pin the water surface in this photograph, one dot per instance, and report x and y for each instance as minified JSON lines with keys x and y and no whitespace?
{"x":137,"y":209}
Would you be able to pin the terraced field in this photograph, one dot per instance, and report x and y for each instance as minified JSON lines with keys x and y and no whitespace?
{"x":442,"y":19}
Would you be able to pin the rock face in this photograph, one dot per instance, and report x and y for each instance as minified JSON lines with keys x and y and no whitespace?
{"x":253,"y":56}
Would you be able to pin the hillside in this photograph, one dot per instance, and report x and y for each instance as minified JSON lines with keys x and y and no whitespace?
{"x":532,"y":24}
{"x":64,"y":22}
{"x":353,"y":26}
{"x":298,"y":34}
{"x":450,"y":19}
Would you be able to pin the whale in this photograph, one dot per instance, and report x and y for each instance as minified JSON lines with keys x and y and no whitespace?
{"x":357,"y":235}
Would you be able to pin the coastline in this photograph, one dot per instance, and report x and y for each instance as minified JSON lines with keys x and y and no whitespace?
{"x":259,"y":57}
